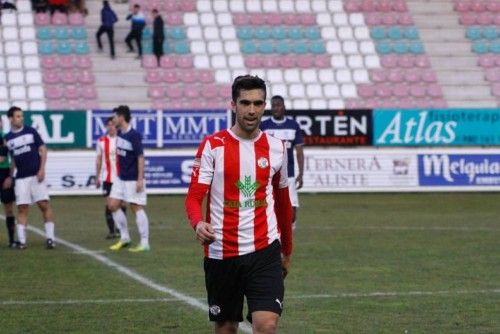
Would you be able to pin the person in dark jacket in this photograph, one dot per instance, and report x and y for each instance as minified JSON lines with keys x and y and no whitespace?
{"x":108,"y":19}
{"x":138,"y":24}
{"x":158,"y":35}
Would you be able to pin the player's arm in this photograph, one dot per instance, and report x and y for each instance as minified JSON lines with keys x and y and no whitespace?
{"x":202,"y":166}
{"x":299,"y":149}
{"x":98,"y":166}
{"x":42,"y":150}
{"x":284,"y":213}
{"x":3,"y":150}
{"x":140,"y":173}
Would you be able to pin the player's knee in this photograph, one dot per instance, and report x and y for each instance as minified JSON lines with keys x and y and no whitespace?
{"x":267,"y":326}
{"x":226,"y":327}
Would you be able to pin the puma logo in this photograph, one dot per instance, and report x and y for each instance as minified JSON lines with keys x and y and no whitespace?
{"x":219,"y":138}
{"x":279,"y":303}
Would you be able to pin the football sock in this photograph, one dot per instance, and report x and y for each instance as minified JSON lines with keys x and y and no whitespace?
{"x":49,"y":230}
{"x":143,"y":227}
{"x":21,"y":233}
{"x":10,"y":221}
{"x":109,"y":220}
{"x":294,"y":225}
{"x":121,"y":222}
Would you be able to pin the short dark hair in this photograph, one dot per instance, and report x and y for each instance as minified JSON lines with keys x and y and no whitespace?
{"x":110,"y":118}
{"x":247,"y":82}
{"x":12,"y":110}
{"x":137,"y":5}
{"x":278,"y":97}
{"x":124,"y":111}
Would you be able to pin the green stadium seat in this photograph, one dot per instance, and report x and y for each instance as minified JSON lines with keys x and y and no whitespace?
{"x":473,"y":33}
{"x":312,"y":33}
{"x":262,"y":33}
{"x":181,"y":47}
{"x":147,"y":33}
{"x":283,"y":47}
{"x":490,"y":32}
{"x":495,"y":47}
{"x":82,"y":48}
{"x":383,"y":48}
{"x":395,"y":33}
{"x":266,"y":47}
{"x":61,"y":33}
{"x":416,"y":47}
{"x":400,"y":47}
{"x":411,"y":33}
{"x":79,"y":33}
{"x":46,"y":48}
{"x":64,"y":48}
{"x":245,"y":33}
{"x":480,"y":47}
{"x":167,"y":47}
{"x":294,"y":33}
{"x":249,"y":47}
{"x":278,"y":33}
{"x":44,"y":33}
{"x":378,"y":33}
{"x":300,"y":47}
{"x":147,"y":47}
{"x":317,"y":47}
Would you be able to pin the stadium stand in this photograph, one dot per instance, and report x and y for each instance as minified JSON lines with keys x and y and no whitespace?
{"x":317,"y":54}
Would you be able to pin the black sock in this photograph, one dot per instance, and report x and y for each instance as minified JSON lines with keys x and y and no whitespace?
{"x":110,"y":221}
{"x":10,"y":221}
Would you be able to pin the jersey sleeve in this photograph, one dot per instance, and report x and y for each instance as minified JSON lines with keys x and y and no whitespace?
{"x":201,"y":178}
{"x":137,"y":145}
{"x":283,"y":173}
{"x":299,"y":138}
{"x":38,"y":140}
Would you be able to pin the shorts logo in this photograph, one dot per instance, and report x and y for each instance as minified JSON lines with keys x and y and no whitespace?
{"x":262,"y":162}
{"x":279,"y":303}
{"x":214,"y":310}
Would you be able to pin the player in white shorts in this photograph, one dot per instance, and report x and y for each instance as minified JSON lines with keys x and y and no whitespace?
{"x":130,"y":185}
{"x":29,"y":157}
{"x":289,"y":131}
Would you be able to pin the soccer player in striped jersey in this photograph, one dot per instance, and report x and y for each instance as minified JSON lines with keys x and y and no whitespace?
{"x":130,"y":186}
{"x":289,"y":131}
{"x":29,"y":157}
{"x":107,"y":168}
{"x":246,"y":233}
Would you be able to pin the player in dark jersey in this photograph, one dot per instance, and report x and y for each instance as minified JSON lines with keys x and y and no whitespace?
{"x":7,"y":196}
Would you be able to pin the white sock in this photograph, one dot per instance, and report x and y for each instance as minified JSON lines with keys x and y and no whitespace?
{"x":49,"y":230}
{"x":143,"y":226}
{"x":121,"y":222}
{"x":21,"y":233}
{"x":294,"y":225}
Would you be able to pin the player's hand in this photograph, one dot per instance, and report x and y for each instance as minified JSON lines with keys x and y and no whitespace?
{"x":205,"y":233}
{"x":299,"y":182}
{"x":40,"y":176}
{"x":7,"y":183}
{"x":97,"y":182}
{"x":285,"y":264}
{"x":140,"y":186}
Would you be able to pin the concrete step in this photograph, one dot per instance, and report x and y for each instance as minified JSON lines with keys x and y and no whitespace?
{"x":460,"y":62}
{"x":463,"y":78}
{"x":472,"y":103}
{"x":470,"y":93}
{"x":429,"y":7}
{"x":444,"y":48}
{"x":442,"y":34}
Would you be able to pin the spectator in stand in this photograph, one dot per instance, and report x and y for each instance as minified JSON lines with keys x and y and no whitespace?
{"x":40,"y":6}
{"x":158,"y":35}
{"x":59,"y":5}
{"x":138,"y":24}
{"x":108,"y":19}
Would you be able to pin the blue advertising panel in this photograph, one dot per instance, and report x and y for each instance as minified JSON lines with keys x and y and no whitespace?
{"x":459,"y":169}
{"x":186,"y":128}
{"x":165,"y":172}
{"x":144,"y":121}
{"x":436,"y":127}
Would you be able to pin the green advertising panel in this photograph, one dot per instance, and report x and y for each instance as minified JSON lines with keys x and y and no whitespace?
{"x":58,"y":129}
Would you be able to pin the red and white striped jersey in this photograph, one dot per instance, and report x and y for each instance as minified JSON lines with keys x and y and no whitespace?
{"x":106,"y":147}
{"x":241,"y":175}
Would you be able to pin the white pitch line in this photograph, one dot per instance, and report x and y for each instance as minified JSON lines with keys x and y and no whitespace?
{"x":401,"y":228}
{"x":87,"y":301}
{"x":395,"y":294}
{"x":313,"y":296}
{"x":244,"y":327}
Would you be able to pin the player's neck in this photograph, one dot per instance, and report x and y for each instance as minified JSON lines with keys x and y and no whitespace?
{"x":241,"y":134}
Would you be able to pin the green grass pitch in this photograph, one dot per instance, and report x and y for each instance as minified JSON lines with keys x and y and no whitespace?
{"x":362,"y":263}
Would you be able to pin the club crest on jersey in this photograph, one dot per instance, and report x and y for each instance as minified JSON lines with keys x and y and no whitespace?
{"x":263,"y":162}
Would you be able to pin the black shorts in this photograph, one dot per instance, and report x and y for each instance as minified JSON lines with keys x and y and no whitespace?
{"x":6,"y":195}
{"x":257,"y":276}
{"x":106,"y":188}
